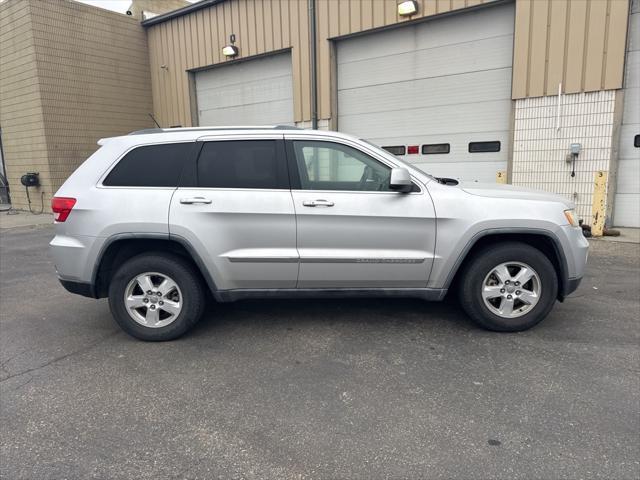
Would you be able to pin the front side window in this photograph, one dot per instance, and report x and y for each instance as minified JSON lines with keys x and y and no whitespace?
{"x":242,"y":164}
{"x":332,"y":166}
{"x":150,"y":166}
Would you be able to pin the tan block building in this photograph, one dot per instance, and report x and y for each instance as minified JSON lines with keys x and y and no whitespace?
{"x":478,"y":90}
{"x":69,"y":75}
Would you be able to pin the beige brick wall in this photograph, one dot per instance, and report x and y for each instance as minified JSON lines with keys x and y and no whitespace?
{"x":86,"y":74}
{"x":21,"y":120}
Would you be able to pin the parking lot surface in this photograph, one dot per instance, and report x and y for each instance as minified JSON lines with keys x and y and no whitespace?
{"x":359,"y":389}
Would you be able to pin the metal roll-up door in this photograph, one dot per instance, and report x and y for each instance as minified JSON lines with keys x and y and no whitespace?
{"x":253,"y":92}
{"x":444,"y":81}
{"x":627,"y":199}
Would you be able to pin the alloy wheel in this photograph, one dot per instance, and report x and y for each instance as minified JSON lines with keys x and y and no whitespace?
{"x":511,"y":289}
{"x":153,"y":299}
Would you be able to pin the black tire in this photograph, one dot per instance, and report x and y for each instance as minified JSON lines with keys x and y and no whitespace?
{"x":483,"y":262}
{"x":185,"y":276}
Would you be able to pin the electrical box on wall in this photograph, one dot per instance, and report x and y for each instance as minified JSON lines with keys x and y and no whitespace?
{"x":30,"y":179}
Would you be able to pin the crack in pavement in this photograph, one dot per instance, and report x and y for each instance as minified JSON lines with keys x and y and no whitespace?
{"x":62,"y":357}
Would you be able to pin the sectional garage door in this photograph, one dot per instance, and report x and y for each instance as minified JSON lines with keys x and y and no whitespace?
{"x":627,"y":200}
{"x":445,"y":81}
{"x":255,"y":92}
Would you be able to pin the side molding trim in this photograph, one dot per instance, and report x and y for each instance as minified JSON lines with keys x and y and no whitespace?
{"x":430,"y":294}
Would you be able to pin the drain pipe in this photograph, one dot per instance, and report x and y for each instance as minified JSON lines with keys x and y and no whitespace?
{"x":313,"y":59}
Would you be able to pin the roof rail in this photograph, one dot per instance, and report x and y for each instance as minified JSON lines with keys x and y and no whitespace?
{"x":146,"y":130}
{"x":200,"y":129}
{"x":287,"y":127}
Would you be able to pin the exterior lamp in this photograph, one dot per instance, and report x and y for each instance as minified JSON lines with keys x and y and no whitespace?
{"x":407,"y":8}
{"x":230,"y":50}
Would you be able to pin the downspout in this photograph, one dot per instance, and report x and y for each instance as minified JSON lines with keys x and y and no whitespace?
{"x":313,"y":59}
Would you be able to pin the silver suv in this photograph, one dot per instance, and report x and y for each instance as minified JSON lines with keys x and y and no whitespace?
{"x":157,"y":219}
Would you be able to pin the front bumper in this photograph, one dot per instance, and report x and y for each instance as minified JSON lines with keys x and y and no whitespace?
{"x":571,"y":285}
{"x":79,"y":288}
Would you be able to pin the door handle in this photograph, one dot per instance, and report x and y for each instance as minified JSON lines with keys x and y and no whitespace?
{"x":318,"y":203}
{"x":194,"y":200}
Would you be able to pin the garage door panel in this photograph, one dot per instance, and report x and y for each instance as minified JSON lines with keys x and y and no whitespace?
{"x":247,"y":92}
{"x":491,"y":22}
{"x":631,"y":112}
{"x":629,"y":181}
{"x":475,"y":117}
{"x":484,"y":172}
{"x":631,"y":76}
{"x":272,"y":113}
{"x":489,"y":54}
{"x":458,"y":146}
{"x":442,"y":91}
{"x":268,"y":67}
{"x":252,"y":92}
{"x":627,"y":212}
{"x":627,"y":150}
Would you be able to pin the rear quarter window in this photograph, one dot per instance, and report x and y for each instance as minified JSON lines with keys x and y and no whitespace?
{"x":150,"y":166}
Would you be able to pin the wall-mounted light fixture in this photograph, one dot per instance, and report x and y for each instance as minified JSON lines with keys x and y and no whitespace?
{"x":407,"y":8}
{"x":230,"y":50}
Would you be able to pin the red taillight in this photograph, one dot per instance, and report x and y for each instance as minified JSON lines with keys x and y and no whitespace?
{"x":412,"y":150}
{"x":61,"y":207}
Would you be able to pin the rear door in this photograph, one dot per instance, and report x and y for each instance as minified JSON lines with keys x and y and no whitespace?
{"x":353,"y":232}
{"x":234,"y":206}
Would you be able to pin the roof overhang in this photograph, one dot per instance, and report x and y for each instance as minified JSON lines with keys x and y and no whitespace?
{"x":194,"y":7}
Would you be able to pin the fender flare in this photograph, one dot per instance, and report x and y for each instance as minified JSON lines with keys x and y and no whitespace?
{"x":152,"y":236}
{"x":555,"y":241}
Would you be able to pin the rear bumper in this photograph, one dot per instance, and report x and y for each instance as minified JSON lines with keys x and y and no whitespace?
{"x":79,"y":288}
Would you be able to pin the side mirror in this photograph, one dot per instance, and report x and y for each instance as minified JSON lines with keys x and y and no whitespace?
{"x":400,"y":180}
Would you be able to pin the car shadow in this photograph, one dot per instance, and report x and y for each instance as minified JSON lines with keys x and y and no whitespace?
{"x":372,"y":312}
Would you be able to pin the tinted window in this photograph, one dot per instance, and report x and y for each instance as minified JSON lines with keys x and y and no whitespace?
{"x":636,"y":141}
{"x":396,"y":149}
{"x":150,"y":166}
{"x":435,"y":148}
{"x":332,"y":166}
{"x":480,"y":147}
{"x":242,"y":164}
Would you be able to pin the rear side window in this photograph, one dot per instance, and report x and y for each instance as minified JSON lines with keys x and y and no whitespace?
{"x":150,"y":166}
{"x":242,"y":164}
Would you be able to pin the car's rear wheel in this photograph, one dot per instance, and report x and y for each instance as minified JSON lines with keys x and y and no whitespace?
{"x":156,"y":297}
{"x":508,"y":287}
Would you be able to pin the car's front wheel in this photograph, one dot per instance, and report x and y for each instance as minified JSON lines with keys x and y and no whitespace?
{"x":156,"y":297}
{"x":508,"y":287}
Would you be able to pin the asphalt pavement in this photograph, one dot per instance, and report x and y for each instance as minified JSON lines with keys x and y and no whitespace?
{"x":357,"y":389}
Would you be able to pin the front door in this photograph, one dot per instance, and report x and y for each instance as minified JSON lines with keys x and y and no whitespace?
{"x":235,"y":208}
{"x":353,"y":231}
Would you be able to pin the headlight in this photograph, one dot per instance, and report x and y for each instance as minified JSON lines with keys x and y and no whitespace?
{"x":571,"y":217}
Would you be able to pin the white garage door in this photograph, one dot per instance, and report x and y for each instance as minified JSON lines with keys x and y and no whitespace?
{"x":446,"y":81}
{"x":627,"y":200}
{"x":255,"y":92}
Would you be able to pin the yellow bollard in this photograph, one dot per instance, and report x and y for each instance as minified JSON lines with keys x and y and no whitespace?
{"x":599,"y":204}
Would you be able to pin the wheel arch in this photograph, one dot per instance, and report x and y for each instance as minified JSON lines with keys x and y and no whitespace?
{"x":542,"y":240}
{"x":119,"y":248}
